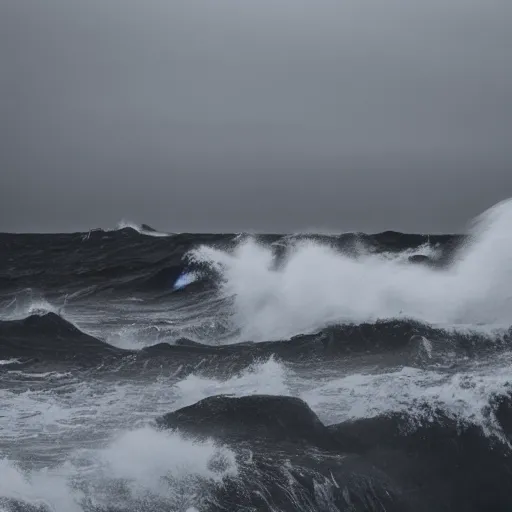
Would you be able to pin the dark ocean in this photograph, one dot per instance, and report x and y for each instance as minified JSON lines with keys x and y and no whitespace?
{"x":143,"y":371}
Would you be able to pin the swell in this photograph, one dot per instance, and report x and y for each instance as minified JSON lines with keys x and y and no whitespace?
{"x":390,"y":462}
{"x":340,"y":321}
{"x":49,"y":338}
{"x":271,"y":452}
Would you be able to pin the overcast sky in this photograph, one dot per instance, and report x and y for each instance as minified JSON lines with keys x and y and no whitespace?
{"x":266,"y":115}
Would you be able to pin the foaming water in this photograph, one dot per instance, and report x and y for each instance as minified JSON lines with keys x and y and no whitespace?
{"x":269,"y":377}
{"x":83,"y":440}
{"x":27,"y":303}
{"x":317,"y":286}
{"x":464,"y":395}
{"x":80,"y":409}
{"x":130,"y":465}
{"x":430,"y":251}
{"x":5,"y":362}
{"x":144,"y":470}
{"x":80,"y":445}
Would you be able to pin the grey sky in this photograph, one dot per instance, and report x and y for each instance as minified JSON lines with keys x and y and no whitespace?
{"x":268,"y":115}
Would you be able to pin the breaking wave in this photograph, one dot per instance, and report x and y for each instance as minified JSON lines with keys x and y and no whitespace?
{"x":143,"y":469}
{"x":274,"y":372}
{"x":142,"y":229}
{"x":318,"y":285}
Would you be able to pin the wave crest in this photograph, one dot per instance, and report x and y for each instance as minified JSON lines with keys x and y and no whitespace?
{"x":143,"y":469}
{"x":142,"y":229}
{"x":317,"y":285}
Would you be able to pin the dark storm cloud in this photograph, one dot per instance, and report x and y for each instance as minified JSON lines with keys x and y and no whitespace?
{"x":273,"y":115}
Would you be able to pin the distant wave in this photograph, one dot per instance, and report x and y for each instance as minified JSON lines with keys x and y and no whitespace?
{"x":143,"y":229}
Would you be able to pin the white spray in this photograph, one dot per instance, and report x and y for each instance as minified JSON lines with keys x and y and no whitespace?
{"x":317,"y":286}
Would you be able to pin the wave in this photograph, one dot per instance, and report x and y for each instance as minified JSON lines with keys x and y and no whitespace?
{"x":271,"y":452}
{"x":6,"y":362}
{"x":49,"y":337}
{"x":387,"y":358}
{"x":389,"y":460}
{"x":46,"y":339}
{"x":167,"y":279}
{"x":143,"y":469}
{"x":317,"y":285}
{"x":119,"y":262}
{"x":142,"y":229}
{"x":28,"y":303}
{"x":268,"y":376}
{"x":462,"y":393}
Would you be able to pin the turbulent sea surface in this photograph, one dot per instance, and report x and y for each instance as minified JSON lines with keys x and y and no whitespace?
{"x":141,"y":371}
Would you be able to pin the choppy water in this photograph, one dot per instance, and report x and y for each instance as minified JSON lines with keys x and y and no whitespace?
{"x":401,"y":363}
